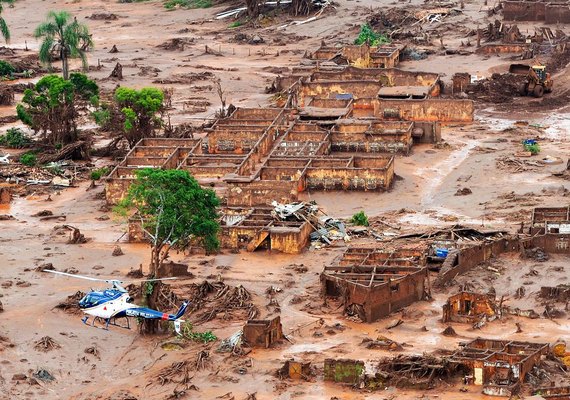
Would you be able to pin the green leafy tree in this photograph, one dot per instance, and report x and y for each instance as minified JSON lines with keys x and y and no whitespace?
{"x":63,"y":38}
{"x":3,"y":25}
{"x":54,"y":105}
{"x":174,"y":211}
{"x":140,"y":112}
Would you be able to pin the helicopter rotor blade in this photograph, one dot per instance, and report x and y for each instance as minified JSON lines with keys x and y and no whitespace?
{"x":149,"y":280}
{"x":111,"y":281}
{"x":74,"y":275}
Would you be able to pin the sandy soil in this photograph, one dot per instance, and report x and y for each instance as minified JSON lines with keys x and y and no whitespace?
{"x":130,"y":363}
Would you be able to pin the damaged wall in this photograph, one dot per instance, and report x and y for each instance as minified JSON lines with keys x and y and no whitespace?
{"x":467,"y":307}
{"x":549,"y":12}
{"x":440,"y":110}
{"x":461,"y":261}
{"x":377,"y":282}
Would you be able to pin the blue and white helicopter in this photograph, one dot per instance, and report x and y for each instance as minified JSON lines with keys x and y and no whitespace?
{"x":110,"y":304}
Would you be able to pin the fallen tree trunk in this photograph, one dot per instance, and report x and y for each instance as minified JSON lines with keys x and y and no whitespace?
{"x":78,"y":151}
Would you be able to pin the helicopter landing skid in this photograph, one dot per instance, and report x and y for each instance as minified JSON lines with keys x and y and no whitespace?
{"x":107,"y":321}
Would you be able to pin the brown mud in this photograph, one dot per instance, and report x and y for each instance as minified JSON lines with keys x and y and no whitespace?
{"x":170,"y":49}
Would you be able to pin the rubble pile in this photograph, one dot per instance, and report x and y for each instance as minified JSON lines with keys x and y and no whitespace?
{"x":46,"y":344}
{"x":325,"y":228}
{"x":71,"y":303}
{"x":212,"y":300}
{"x":500,"y":88}
{"x":515,"y":164}
{"x":418,"y":371}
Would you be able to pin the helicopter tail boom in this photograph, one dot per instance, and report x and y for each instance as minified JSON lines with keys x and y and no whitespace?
{"x":182,"y":310}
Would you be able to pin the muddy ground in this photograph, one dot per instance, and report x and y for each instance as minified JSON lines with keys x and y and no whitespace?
{"x":126,"y":365}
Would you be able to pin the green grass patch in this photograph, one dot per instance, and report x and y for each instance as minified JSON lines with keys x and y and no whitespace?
{"x":235,"y":24}
{"x":187,"y":4}
{"x":533,"y":148}
{"x":6,"y":69}
{"x":96,"y":174}
{"x":188,"y":333}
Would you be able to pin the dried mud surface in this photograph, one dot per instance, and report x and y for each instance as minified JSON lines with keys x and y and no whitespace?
{"x":120,"y":364}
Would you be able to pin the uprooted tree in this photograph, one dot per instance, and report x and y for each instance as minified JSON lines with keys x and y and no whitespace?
{"x":175,"y":212}
{"x":133,"y":114}
{"x":54,"y":106}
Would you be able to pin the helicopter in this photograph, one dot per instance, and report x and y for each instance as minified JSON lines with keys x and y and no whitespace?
{"x":115,"y":302}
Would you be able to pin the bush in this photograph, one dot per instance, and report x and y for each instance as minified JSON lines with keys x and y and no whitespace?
{"x":98,"y":173}
{"x":6,"y":69}
{"x":29,"y":159}
{"x":367,"y":34}
{"x":15,"y":138}
{"x":360,"y":219}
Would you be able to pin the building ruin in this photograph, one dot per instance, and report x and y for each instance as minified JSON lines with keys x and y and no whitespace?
{"x":550,"y":12}
{"x":500,"y":366}
{"x":373,"y":283}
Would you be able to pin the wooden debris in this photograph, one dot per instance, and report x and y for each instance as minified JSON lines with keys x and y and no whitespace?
{"x":46,"y":344}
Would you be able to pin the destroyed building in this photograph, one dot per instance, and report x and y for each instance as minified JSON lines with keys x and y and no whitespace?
{"x":365,"y":56}
{"x":551,"y":12}
{"x":468,"y":307}
{"x":339,"y":130}
{"x":263,"y":227}
{"x":550,"y":220}
{"x":550,"y":229}
{"x":373,"y":283}
{"x":368,"y":90}
{"x":257,"y":156}
{"x":500,"y":366}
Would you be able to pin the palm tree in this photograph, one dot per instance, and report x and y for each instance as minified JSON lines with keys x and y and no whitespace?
{"x":3,"y":26}
{"x":64,"y":38}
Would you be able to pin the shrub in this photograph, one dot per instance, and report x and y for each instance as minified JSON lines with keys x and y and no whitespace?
{"x":29,"y":159}
{"x":6,"y":69}
{"x":360,"y":219}
{"x":367,"y":34}
{"x":102,"y":117}
{"x":15,"y":138}
{"x":98,"y":173}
